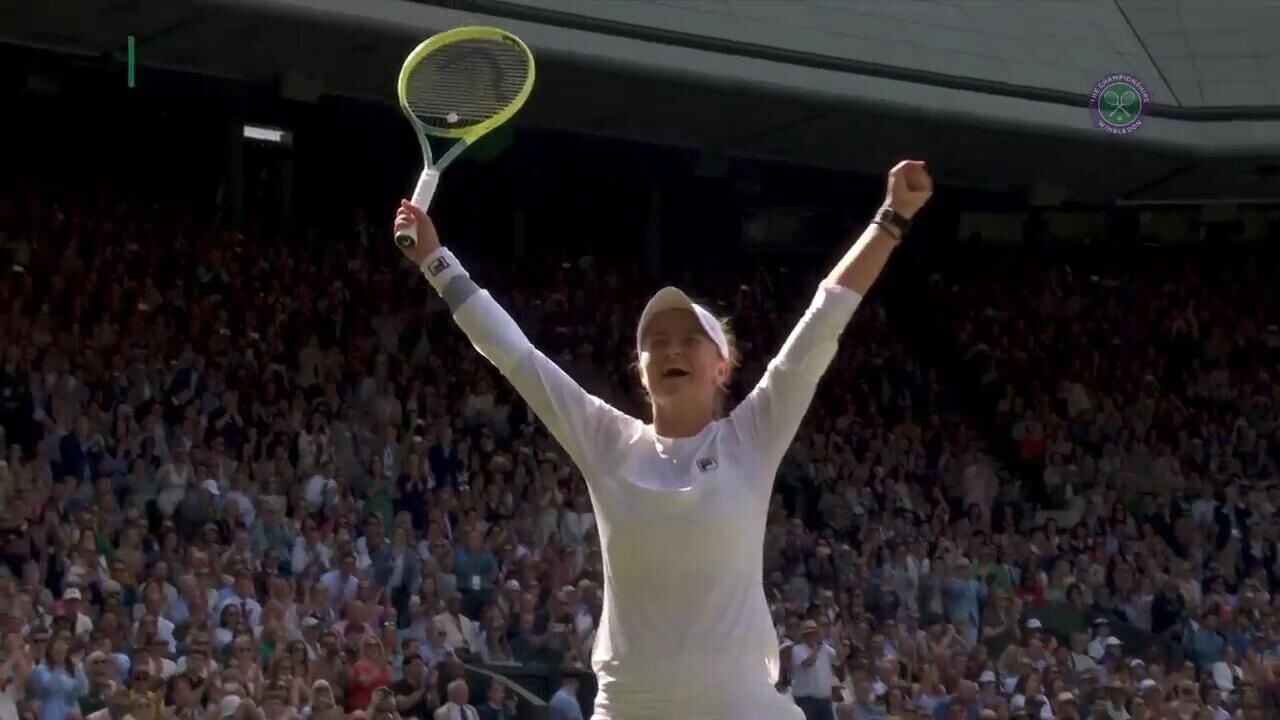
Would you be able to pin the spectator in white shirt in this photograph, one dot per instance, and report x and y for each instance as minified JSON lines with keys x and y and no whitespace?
{"x":155,"y":626}
{"x":244,"y":596}
{"x":173,"y":479}
{"x":813,"y":674}
{"x":318,"y":486}
{"x":1226,"y":673}
{"x":341,"y":583}
{"x":154,"y":659}
{"x":578,"y":522}
{"x":310,"y":554}
{"x":1101,"y":634}
{"x":457,"y":707}
{"x":460,"y":631}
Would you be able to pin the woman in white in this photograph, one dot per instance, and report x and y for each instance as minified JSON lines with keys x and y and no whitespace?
{"x":680,"y":504}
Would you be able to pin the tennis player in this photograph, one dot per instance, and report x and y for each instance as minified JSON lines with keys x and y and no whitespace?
{"x":681,"y":502}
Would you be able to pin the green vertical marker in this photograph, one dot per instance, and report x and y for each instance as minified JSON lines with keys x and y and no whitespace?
{"x":130,"y":61}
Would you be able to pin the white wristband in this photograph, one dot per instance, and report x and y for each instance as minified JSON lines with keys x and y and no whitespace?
{"x":440,"y":267}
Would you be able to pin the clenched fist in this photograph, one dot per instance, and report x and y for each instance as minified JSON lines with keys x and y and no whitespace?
{"x":909,"y":188}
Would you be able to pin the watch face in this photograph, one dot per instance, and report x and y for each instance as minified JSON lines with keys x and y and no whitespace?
{"x":893,"y":217}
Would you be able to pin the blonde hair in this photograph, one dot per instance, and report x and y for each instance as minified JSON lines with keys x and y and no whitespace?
{"x":734,"y":361}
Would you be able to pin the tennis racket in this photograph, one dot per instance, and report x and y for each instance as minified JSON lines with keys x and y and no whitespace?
{"x":459,"y":85}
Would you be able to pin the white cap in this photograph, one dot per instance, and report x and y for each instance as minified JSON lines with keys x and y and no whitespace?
{"x":71,"y":594}
{"x":212,"y":486}
{"x":987,"y":677}
{"x":670,"y":298}
{"x":1034,"y":624}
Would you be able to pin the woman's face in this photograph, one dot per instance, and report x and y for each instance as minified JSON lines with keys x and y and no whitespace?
{"x":678,"y":360}
{"x":1033,"y":685}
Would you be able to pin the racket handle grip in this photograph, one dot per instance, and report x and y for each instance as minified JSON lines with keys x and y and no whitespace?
{"x":421,"y":199}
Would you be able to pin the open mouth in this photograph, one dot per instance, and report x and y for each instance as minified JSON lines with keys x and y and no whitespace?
{"x":675,"y":373}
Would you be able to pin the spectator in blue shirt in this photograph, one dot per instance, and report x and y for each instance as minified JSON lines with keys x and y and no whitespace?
{"x":476,"y":569}
{"x":564,"y":704}
{"x":57,"y":683}
{"x":1203,"y":643}
{"x":964,"y":597}
{"x":965,"y":697}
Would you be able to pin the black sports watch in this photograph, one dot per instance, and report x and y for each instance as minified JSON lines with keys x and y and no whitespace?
{"x":893,"y":221}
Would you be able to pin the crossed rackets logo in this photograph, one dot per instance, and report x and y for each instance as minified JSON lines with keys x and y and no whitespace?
{"x":1118,"y":102}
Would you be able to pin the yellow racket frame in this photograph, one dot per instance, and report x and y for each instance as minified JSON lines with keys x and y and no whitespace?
{"x":427,"y":182}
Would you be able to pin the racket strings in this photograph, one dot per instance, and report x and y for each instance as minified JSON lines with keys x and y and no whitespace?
{"x":465,"y":83}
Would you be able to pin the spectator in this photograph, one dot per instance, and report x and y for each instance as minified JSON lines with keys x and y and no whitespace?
{"x":56,"y":682}
{"x":499,"y":704}
{"x":813,"y":674}
{"x":476,"y":570}
{"x":415,"y":694}
{"x":370,"y":672}
{"x":564,"y":704}
{"x":457,"y":708}
{"x":1095,"y":449}
{"x":14,"y":673}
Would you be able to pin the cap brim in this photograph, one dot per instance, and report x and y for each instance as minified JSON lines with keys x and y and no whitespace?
{"x":668,"y":298}
{"x":673,"y":298}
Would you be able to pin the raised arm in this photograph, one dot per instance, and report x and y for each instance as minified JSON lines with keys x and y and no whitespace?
{"x":769,"y":416}
{"x":587,"y":427}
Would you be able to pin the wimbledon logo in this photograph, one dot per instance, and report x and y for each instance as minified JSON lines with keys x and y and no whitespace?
{"x":1117,"y":103}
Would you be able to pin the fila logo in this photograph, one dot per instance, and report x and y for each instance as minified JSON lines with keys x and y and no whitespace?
{"x":438,"y":266}
{"x":708,"y":464}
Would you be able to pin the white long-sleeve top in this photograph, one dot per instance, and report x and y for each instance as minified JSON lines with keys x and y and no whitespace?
{"x":686,"y":630}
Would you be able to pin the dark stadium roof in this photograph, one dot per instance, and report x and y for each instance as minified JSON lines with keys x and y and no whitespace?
{"x":1193,"y":55}
{"x":335,"y":53}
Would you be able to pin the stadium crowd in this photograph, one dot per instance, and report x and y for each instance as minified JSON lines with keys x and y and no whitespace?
{"x":250,"y":478}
